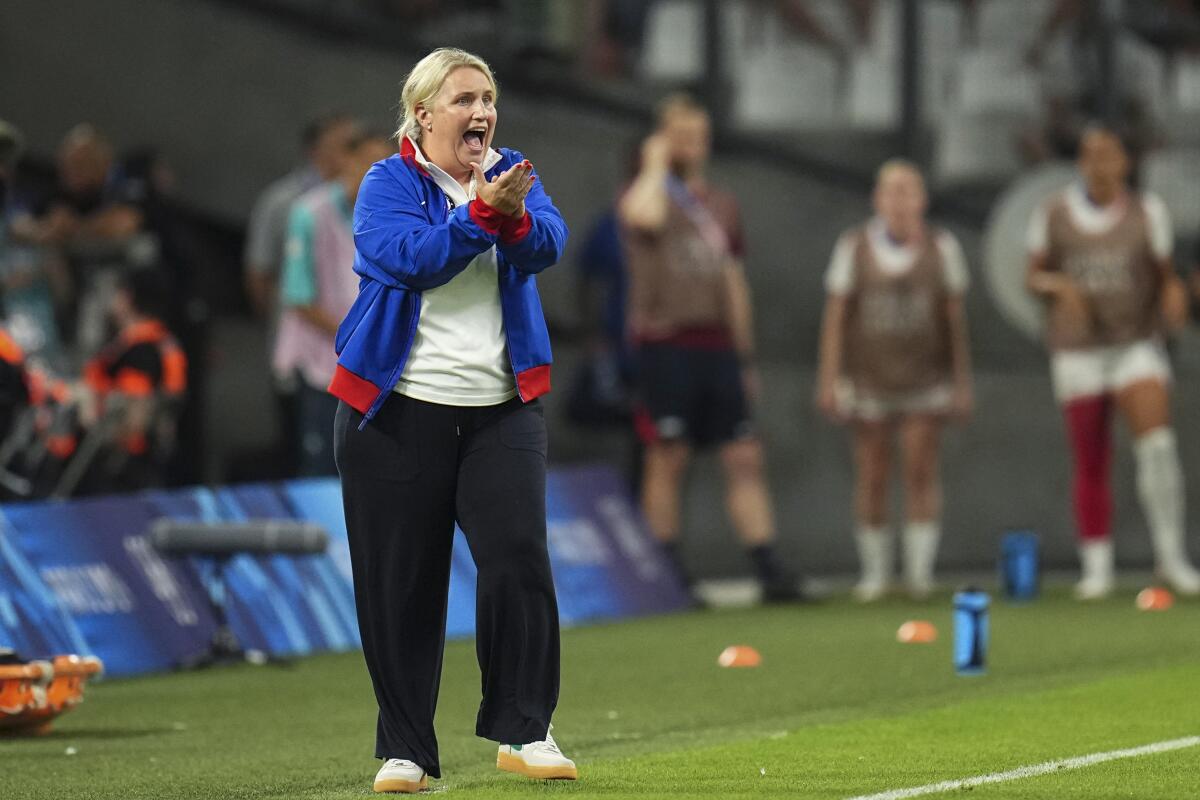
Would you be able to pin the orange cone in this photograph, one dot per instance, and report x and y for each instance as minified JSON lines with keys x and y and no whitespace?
{"x":917,"y":631}
{"x":739,"y":655}
{"x":1154,"y":598}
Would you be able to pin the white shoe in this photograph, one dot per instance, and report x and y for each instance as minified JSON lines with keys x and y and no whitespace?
{"x":1096,"y":559}
{"x":870,"y":590}
{"x":1182,"y":576}
{"x":1093,"y":589}
{"x":541,"y":760}
{"x":400,"y":775}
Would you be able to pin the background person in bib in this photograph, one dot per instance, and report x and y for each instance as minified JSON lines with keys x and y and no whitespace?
{"x":1100,"y":257}
{"x":441,"y":360}
{"x":689,"y":314}
{"x":894,"y":362}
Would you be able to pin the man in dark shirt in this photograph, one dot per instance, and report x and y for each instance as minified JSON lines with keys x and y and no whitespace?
{"x":94,"y":219}
{"x":91,"y":203}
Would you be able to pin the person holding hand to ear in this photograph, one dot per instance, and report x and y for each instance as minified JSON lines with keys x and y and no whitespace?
{"x":441,"y":361}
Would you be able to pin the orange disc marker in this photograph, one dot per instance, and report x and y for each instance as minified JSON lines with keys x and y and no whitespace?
{"x":739,"y":655}
{"x":1155,"y":599}
{"x":917,"y":631}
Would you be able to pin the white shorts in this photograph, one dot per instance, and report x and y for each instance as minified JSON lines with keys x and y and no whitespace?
{"x":861,"y":404}
{"x":1099,"y":371}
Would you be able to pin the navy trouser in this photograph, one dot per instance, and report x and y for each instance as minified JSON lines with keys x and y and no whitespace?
{"x":315,"y":408}
{"x":407,"y":477}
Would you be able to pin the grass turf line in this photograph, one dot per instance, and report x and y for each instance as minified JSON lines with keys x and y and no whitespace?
{"x":837,"y":709}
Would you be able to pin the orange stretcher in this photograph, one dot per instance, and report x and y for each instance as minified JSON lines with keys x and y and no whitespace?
{"x":34,"y":693}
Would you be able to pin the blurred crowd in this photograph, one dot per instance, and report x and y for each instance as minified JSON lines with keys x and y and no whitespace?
{"x":106,"y":282}
{"x":99,"y":314}
{"x":105,"y":285}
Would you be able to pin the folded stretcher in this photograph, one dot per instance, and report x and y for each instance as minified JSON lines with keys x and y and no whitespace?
{"x":34,"y":693}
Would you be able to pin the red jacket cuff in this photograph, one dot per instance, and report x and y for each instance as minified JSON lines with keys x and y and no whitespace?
{"x":485,"y":216}
{"x":514,"y":229}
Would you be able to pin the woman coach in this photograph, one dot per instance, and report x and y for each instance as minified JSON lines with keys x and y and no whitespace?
{"x":440,"y":363}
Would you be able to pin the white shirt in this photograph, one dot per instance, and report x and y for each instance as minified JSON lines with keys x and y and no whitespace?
{"x":1093,"y":219}
{"x":459,"y":356}
{"x":893,"y":258}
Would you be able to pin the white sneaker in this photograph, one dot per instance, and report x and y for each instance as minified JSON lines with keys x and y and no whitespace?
{"x":400,"y":775}
{"x":1096,"y":559}
{"x":537,"y":760}
{"x":1182,"y":576}
{"x":872,"y":589}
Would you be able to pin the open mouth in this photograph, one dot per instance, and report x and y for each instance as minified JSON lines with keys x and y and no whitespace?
{"x":475,"y":138}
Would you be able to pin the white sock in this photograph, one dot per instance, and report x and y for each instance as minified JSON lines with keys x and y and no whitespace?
{"x":920,"y":553}
{"x":1160,"y":490}
{"x":1096,"y":562}
{"x":875,"y":554}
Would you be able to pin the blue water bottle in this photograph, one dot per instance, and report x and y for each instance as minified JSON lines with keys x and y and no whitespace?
{"x":1019,"y":565}
{"x":970,"y":631}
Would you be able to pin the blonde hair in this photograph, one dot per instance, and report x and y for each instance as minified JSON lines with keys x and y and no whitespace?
{"x":425,"y":81}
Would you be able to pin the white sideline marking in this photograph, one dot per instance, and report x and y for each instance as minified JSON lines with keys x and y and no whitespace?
{"x":1034,"y":770}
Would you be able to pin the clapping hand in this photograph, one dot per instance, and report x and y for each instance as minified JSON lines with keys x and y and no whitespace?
{"x":506,"y":192}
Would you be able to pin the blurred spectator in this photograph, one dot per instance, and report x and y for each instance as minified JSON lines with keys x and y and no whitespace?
{"x":14,"y":392}
{"x":193,"y":272}
{"x":93,"y":219}
{"x":14,"y":384}
{"x":600,"y":394}
{"x":317,"y":289}
{"x":90,"y":204}
{"x":16,"y":422}
{"x":689,"y":312}
{"x":324,"y":142}
{"x":1170,"y":24}
{"x":800,"y":18}
{"x":28,"y":272}
{"x":803,"y":21}
{"x":1076,"y":89}
{"x":135,"y":387}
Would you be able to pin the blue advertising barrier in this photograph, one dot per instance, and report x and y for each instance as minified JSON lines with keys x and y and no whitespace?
{"x":81,"y":576}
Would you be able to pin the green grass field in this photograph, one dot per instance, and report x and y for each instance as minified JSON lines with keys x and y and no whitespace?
{"x":837,"y":709}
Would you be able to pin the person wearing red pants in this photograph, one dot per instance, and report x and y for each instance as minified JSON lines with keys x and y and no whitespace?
{"x":1100,"y":258}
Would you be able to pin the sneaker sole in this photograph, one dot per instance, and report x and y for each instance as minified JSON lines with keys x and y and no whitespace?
{"x":397,"y":786}
{"x":509,"y":763}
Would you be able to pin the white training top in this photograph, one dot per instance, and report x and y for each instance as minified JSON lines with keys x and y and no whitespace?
{"x":894,"y":258}
{"x":460,"y":356}
{"x":1091,"y":218}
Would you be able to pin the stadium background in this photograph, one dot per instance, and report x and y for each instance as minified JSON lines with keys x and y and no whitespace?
{"x":221,"y":87}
